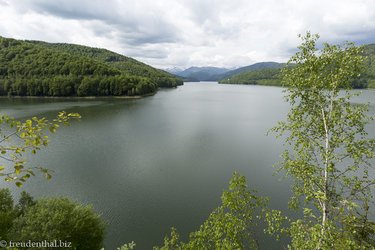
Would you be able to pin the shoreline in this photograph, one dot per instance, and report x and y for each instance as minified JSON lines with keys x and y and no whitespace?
{"x":79,"y":97}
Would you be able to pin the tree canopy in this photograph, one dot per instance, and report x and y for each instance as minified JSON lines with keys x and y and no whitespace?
{"x":49,"y":220}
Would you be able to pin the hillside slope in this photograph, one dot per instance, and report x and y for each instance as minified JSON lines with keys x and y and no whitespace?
{"x":33,"y":68}
{"x":369,"y":52}
{"x":267,"y":76}
{"x":252,"y":67}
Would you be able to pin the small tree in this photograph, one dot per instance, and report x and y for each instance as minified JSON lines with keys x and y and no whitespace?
{"x":329,"y":158}
{"x":60,"y":219}
{"x":7,"y":213}
{"x":26,"y":201}
{"x":19,"y":138}
{"x":230,"y":226}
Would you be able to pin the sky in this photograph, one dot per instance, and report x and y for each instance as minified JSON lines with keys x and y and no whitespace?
{"x":184,"y":33}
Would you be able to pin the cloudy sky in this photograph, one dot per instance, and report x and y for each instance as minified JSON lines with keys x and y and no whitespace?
{"x":183,"y":33}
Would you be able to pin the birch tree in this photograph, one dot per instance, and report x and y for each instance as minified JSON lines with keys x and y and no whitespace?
{"x":329,"y":155}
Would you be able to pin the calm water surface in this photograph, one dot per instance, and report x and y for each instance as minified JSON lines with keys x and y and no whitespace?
{"x":162,"y":161}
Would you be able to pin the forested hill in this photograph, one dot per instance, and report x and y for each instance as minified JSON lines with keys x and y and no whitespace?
{"x":253,"y":67}
{"x":33,"y":68}
{"x":369,"y":52}
{"x":271,"y":75}
{"x":263,"y":73}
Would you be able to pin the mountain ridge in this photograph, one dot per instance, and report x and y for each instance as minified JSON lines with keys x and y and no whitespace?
{"x":201,"y":73}
{"x":209,"y":73}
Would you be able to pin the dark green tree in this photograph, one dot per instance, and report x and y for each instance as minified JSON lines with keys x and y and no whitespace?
{"x":7,"y":213}
{"x":26,"y":201}
{"x":60,"y":219}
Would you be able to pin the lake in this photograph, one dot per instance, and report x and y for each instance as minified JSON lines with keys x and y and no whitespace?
{"x":149,"y":164}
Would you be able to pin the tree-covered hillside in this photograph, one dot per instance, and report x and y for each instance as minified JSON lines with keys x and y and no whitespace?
{"x":33,"y":68}
{"x":369,"y":51}
{"x":263,"y":73}
{"x":271,"y":76}
{"x":252,"y":67}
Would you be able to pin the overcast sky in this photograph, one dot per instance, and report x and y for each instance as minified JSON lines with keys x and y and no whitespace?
{"x":183,"y":33}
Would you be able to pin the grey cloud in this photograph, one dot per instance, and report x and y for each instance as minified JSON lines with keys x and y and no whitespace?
{"x":79,"y":10}
{"x":146,"y":53}
{"x":139,"y":39}
{"x":133,"y":28}
{"x":364,"y":36}
{"x":201,"y":11}
{"x":140,"y":35}
{"x":65,"y":11}
{"x":101,"y":30}
{"x":367,"y":40}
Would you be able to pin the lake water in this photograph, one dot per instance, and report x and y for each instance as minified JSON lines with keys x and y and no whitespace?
{"x":164,"y":160}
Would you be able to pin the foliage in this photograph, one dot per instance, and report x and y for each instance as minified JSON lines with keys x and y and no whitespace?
{"x":25,"y":201}
{"x":7,"y":213}
{"x":32,"y":68}
{"x":371,"y":83}
{"x":369,"y":74}
{"x":230,"y":226}
{"x":48,"y":220}
{"x":60,"y":219}
{"x":127,"y":246}
{"x":330,"y":156}
{"x":19,"y":138}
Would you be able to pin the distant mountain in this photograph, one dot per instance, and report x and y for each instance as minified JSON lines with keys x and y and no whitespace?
{"x":35,"y":68}
{"x":216,"y":74}
{"x":252,"y":67}
{"x":203,"y":73}
{"x":174,"y":70}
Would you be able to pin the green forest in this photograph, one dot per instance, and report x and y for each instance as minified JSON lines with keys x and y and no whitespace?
{"x":272,"y":76}
{"x":34,"y":68}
